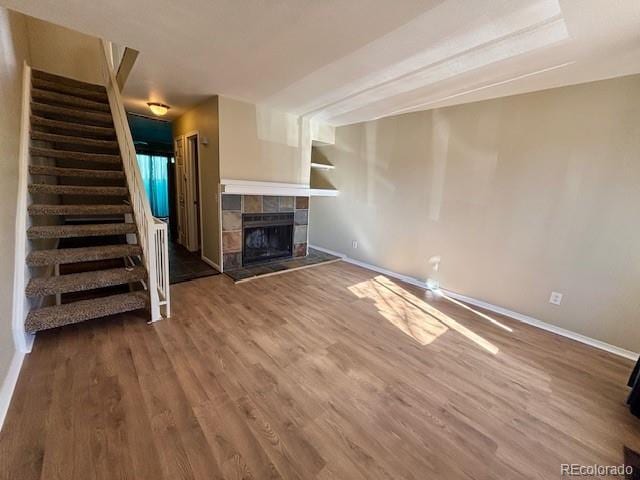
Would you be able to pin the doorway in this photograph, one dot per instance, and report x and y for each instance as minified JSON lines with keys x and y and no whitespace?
{"x":186,"y":252}
{"x":170,"y":170}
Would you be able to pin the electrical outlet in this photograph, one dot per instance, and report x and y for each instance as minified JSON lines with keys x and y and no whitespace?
{"x":354,"y":244}
{"x":555,"y":298}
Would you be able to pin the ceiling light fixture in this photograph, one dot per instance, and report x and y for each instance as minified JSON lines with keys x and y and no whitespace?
{"x":159,"y":109}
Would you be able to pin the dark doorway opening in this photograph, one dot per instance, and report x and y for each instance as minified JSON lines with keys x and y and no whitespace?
{"x":153,"y":139}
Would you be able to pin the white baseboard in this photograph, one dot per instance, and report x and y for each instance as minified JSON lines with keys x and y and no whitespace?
{"x":375,"y":268}
{"x":330,"y":252}
{"x":545,"y":326}
{"x":30,"y":338}
{"x":210,"y":262}
{"x":9,"y":384}
{"x":494,"y":308}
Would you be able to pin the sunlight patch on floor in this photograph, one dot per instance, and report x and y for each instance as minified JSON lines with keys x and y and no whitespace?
{"x":412,"y":315}
{"x":480,"y":314}
{"x":403,"y":315}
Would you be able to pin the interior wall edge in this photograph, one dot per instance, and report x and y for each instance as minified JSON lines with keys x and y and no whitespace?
{"x":9,"y":384}
{"x":211,"y":263}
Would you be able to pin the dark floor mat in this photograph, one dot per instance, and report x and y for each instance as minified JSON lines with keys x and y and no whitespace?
{"x":185,"y":265}
{"x":632,"y":459}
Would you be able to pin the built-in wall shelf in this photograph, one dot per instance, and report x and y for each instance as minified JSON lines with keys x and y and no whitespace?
{"x":323,"y":192}
{"x":322,"y":166}
{"x":249,"y":187}
{"x":320,"y":184}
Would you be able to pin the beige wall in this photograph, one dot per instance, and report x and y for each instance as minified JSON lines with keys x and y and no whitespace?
{"x":262,"y":145}
{"x":204,"y":119}
{"x":13,"y":52}
{"x":58,"y":50}
{"x":518,"y":197}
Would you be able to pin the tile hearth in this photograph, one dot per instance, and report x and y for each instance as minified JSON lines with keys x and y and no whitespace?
{"x":314,"y":258}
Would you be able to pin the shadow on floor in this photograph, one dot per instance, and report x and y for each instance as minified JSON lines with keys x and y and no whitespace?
{"x":185,"y":265}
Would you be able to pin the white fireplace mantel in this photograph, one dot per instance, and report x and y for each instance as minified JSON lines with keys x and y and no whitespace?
{"x":250,"y":187}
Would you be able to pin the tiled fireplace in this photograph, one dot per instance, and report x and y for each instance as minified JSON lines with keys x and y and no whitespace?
{"x":262,"y":228}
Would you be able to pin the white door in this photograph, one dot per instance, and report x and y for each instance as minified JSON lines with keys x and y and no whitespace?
{"x":192,"y":204}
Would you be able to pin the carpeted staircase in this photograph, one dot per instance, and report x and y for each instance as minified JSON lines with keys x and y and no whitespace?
{"x":80,"y":202}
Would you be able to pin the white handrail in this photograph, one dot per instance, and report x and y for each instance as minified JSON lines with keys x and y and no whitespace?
{"x":151,"y":236}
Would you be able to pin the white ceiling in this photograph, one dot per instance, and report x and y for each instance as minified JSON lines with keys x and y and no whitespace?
{"x":345,"y":61}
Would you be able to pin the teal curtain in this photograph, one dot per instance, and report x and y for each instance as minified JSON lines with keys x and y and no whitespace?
{"x":153,"y":169}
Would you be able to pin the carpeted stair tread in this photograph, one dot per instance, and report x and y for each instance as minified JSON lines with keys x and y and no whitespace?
{"x":55,"y":98}
{"x":52,"y":86}
{"x":75,"y":172}
{"x":73,"y":140}
{"x":50,"y":77}
{"x":77,"y":190}
{"x":62,"y":256}
{"x":90,"y":230}
{"x":66,"y":113}
{"x":71,"y":127}
{"x":71,"y":155}
{"x":78,"y":282}
{"x":111,"y":159}
{"x":57,"y":209}
{"x":59,"y":315}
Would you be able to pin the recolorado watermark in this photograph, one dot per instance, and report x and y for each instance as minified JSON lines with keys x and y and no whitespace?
{"x":577,"y":470}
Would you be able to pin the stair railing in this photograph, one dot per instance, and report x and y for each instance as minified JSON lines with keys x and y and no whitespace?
{"x":151,"y":232}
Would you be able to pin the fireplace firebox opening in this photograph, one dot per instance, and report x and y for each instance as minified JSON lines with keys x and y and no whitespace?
{"x":266,"y":237}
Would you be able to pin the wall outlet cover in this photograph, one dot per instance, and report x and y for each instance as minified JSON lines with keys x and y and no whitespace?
{"x":555,"y":298}
{"x":354,"y":244}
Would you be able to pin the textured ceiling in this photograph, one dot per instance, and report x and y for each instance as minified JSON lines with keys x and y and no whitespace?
{"x":347,"y":61}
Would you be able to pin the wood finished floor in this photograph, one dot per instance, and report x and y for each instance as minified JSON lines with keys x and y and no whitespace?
{"x":331,"y":373}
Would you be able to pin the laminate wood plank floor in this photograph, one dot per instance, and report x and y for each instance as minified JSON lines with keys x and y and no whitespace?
{"x":334,"y":372}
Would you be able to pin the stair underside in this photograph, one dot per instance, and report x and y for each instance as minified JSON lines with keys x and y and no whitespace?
{"x":79,"y":282}
{"x":72,"y":127}
{"x":71,"y":231}
{"x":100,"y":118}
{"x":75,"y":172}
{"x":54,"y":86}
{"x":74,"y":140}
{"x":77,"y":190}
{"x":61,"y":256}
{"x":46,"y":96}
{"x":59,"y":315}
{"x":44,"y":209}
{"x":72,"y":155}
